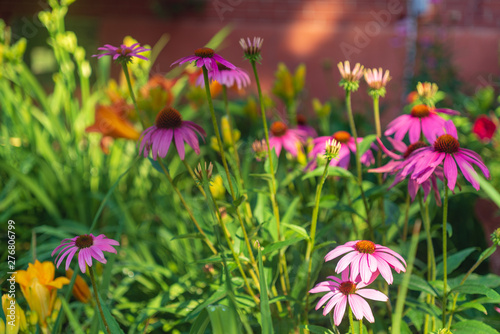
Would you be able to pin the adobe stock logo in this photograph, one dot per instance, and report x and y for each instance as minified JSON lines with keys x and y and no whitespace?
{"x":363,"y":37}
{"x":223,"y":6}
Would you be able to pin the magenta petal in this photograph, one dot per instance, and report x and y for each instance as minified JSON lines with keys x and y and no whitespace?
{"x":356,"y":306}
{"x":179,"y":143}
{"x":81,"y":261}
{"x":372,"y":294}
{"x":70,"y":257}
{"x":450,"y":171}
{"x":339,"y":311}
{"x":339,"y":250}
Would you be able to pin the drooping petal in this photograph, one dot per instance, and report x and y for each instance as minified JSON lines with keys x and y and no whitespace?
{"x":372,"y":294}
{"x":339,"y":311}
{"x":339,"y":250}
{"x":450,"y":171}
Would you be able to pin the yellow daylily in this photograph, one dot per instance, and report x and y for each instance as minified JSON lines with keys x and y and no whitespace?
{"x":14,"y":314}
{"x":40,"y":288}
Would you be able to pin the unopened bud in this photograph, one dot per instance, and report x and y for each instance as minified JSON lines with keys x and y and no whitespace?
{"x":260,"y":149}
{"x":332,"y":149}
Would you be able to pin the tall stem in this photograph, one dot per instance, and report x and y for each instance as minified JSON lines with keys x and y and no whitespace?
{"x":312,"y":240}
{"x":131,"y":91}
{"x":445,"y":257}
{"x":358,"y":160}
{"x":274,"y":204}
{"x":224,"y":162}
{"x":190,"y":171}
{"x":351,"y":319}
{"x":188,"y":210}
{"x":376,"y":112}
{"x":96,"y":294}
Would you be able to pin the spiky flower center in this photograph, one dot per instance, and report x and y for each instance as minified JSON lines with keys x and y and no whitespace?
{"x":168,"y":118}
{"x":84,"y":241}
{"x":342,"y":136}
{"x":278,"y":129}
{"x":413,"y":147}
{"x":446,"y":144}
{"x":204,"y":53}
{"x":301,"y":120}
{"x":365,"y":246}
{"x":347,"y":288}
{"x":124,"y":52}
{"x":420,"y":110}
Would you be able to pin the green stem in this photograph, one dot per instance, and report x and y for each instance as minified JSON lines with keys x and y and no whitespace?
{"x":376,"y":112}
{"x":361,"y":326}
{"x":188,"y":210}
{"x":358,"y":161}
{"x":407,"y":216}
{"x":224,"y":162}
{"x":132,"y":95}
{"x":96,"y":294}
{"x":273,"y":178}
{"x":403,"y":288}
{"x":445,"y":252}
{"x":351,"y":318}
{"x":312,"y":239}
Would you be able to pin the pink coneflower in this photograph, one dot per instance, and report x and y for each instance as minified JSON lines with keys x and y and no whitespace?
{"x":302,"y":125}
{"x":446,"y":149}
{"x":88,"y":246}
{"x":347,"y":146}
{"x":205,"y":57}
{"x":397,"y":159}
{"x":421,"y":119}
{"x":484,"y":128}
{"x":169,"y":127}
{"x":227,"y":77}
{"x":376,"y":79}
{"x":367,"y":259}
{"x":122,"y":52}
{"x":252,"y":48}
{"x":343,"y":291}
{"x":282,"y":136}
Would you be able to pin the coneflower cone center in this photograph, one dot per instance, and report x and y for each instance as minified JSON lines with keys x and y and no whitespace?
{"x":204,"y":53}
{"x":420,"y":110}
{"x":301,"y":120}
{"x":278,"y":129}
{"x":365,"y":246}
{"x":84,"y":241}
{"x":342,"y":136}
{"x":168,"y":118}
{"x":347,"y":288}
{"x":446,"y":144}
{"x":413,"y":147}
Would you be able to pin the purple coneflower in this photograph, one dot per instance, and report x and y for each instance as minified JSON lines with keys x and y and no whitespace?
{"x":446,"y":149}
{"x":227,"y":77}
{"x":122,"y":52}
{"x":169,"y":127}
{"x":88,"y":246}
{"x":421,"y":119}
{"x":367,"y":259}
{"x":302,"y":125}
{"x":343,"y":291}
{"x":252,"y":48}
{"x":205,"y":57}
{"x":282,"y":136}
{"x":347,"y":146}
{"x":397,"y":159}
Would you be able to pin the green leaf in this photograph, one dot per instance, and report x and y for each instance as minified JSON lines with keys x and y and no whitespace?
{"x":472,"y":326}
{"x":188,"y":236}
{"x":267,"y":164}
{"x":323,"y":244}
{"x":298,"y":229}
{"x":112,"y":324}
{"x":77,"y":328}
{"x":223,"y":319}
{"x":365,"y":144}
{"x":200,"y":324}
{"x":492,"y":193}
{"x":280,"y":244}
{"x":222,"y":173}
{"x":265,"y":311}
{"x":454,"y":261}
{"x":417,"y":284}
{"x":474,"y":305}
{"x":476,"y":289}
{"x":290,"y":211}
{"x":317,"y":329}
{"x":332,"y":171}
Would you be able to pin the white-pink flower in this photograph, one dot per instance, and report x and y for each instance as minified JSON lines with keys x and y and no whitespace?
{"x":343,"y":291}
{"x":367,"y":260}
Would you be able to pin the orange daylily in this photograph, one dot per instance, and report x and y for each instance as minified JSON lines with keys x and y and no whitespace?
{"x":110,"y":121}
{"x":40,"y":288}
{"x":81,"y":289}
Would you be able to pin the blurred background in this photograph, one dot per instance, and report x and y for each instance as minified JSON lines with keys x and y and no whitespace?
{"x":454,"y":43}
